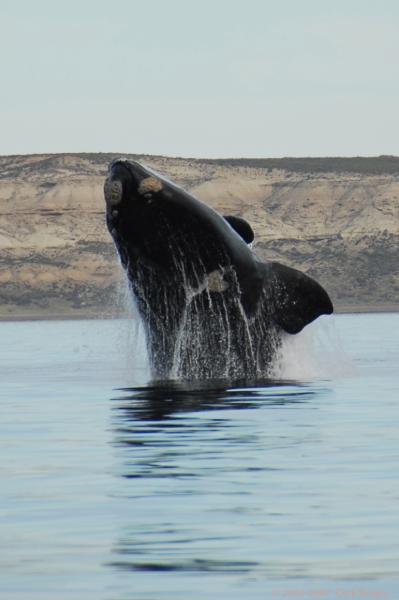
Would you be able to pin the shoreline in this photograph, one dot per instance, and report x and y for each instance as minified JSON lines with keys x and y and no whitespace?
{"x":92,"y":316}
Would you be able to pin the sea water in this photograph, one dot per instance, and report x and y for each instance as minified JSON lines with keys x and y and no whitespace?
{"x":113,"y":487}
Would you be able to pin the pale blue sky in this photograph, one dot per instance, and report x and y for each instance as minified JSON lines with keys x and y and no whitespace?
{"x":200,"y":78}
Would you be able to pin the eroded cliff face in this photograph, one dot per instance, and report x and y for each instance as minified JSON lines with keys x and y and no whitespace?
{"x":56,"y":256}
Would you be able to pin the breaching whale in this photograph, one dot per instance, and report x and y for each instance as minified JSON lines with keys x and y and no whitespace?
{"x":210,"y":308}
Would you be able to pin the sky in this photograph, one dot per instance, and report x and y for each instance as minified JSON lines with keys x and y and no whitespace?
{"x":208,"y":78}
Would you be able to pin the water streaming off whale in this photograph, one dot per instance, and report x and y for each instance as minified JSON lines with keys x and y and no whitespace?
{"x":208,"y":306}
{"x":209,"y":336}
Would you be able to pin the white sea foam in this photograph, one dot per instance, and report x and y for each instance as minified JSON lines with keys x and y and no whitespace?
{"x":315,"y":353}
{"x":130,"y":343}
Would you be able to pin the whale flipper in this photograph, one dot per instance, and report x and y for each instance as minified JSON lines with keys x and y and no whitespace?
{"x":296,"y":298}
{"x":242,"y":227}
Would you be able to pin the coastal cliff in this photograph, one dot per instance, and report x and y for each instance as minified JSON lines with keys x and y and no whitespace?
{"x":336,"y":219}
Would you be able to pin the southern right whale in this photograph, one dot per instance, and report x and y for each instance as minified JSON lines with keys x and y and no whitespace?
{"x":209,"y":306}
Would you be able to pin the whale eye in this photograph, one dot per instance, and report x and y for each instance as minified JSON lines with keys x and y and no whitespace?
{"x":113,"y":191}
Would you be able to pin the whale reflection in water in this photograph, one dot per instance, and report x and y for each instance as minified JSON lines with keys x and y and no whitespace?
{"x":161,"y":400}
{"x":188,"y":457}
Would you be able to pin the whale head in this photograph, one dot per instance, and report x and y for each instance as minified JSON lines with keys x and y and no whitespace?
{"x":159,"y":226}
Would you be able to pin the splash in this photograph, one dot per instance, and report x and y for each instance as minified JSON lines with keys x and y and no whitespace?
{"x":212,"y":337}
{"x":130,"y":343}
{"x":196,"y":329}
{"x":315,"y":353}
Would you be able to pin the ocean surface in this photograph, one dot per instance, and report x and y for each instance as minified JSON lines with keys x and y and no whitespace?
{"x":116,"y":488}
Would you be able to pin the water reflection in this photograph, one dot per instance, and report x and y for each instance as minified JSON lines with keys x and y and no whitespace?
{"x":193,"y":458}
{"x":161,"y":400}
{"x":195,"y":565}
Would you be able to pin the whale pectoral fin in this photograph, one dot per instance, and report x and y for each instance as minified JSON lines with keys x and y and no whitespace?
{"x":297,"y":299}
{"x":242,"y":227}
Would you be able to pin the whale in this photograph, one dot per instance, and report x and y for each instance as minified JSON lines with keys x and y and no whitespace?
{"x":209,"y":306}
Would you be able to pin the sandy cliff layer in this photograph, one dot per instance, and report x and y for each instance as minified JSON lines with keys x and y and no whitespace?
{"x":341,"y":226}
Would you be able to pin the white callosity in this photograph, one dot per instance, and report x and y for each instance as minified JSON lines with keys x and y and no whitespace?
{"x":216,"y":283}
{"x":149,"y":185}
{"x":113,"y":191}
